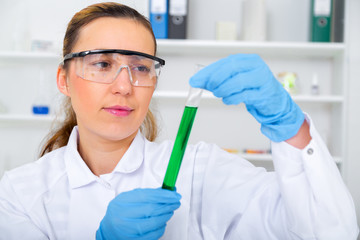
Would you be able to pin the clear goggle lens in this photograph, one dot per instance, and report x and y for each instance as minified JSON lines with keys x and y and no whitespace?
{"x":105,"y":67}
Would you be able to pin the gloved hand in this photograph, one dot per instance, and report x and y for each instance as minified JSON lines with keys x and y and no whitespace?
{"x":246,"y":78}
{"x":138,"y":214}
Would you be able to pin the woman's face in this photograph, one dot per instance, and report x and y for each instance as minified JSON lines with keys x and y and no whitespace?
{"x":114,"y":111}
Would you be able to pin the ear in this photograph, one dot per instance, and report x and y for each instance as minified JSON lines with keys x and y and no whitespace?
{"x":61,"y":81}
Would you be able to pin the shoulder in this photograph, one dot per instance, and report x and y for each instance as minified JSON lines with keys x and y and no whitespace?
{"x":30,"y":181}
{"x":46,"y":168}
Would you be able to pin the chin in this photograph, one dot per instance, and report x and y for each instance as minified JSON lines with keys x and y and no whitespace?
{"x":119,"y":134}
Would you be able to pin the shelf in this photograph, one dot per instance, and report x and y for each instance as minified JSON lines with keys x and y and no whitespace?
{"x":26,"y":56}
{"x":24,"y":118}
{"x":318,"y":99}
{"x":180,"y":95}
{"x":211,"y":48}
{"x":209,"y":96}
{"x":268,"y":157}
{"x":256,"y":157}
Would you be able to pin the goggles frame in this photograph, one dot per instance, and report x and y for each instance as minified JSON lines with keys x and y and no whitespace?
{"x":158,"y":61}
{"x":120,"y":51}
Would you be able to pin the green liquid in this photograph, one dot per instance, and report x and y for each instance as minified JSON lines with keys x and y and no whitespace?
{"x":178,"y":150}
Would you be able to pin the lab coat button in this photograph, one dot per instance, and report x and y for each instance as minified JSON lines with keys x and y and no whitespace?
{"x":310,"y":151}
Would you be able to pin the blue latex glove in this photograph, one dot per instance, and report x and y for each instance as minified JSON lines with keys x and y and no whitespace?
{"x":138,"y":214}
{"x":246,"y":78}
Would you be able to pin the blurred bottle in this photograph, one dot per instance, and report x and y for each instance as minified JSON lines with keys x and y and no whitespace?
{"x":21,"y":33}
{"x":41,"y":102}
{"x":315,"y":85}
{"x":288,"y":81}
{"x":254,"y":20}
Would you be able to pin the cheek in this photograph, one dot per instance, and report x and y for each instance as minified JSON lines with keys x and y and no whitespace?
{"x":83,"y":94}
{"x":144,"y":98}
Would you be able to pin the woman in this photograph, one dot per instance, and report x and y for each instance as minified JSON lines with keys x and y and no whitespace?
{"x":100,"y":173}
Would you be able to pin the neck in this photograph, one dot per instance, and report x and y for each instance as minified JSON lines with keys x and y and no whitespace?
{"x":102,"y":155}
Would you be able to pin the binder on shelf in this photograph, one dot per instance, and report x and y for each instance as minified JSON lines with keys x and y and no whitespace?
{"x":177,"y":20}
{"x":159,"y":18}
{"x":337,"y":28}
{"x":321,"y":17}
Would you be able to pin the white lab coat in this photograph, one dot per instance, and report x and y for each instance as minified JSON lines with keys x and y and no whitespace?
{"x":223,"y":195}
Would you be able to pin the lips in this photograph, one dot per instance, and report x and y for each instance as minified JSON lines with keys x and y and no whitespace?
{"x":119,"y":111}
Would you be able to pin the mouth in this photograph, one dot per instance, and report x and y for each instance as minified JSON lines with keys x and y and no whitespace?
{"x":119,"y":111}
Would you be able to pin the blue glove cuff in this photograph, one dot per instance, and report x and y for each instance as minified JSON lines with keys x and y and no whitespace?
{"x":287,"y":127}
{"x":99,"y":234}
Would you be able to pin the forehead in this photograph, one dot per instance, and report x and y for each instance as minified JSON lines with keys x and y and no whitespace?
{"x":115,"y":33}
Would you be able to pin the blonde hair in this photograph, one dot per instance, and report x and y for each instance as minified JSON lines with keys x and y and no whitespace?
{"x":60,"y":135}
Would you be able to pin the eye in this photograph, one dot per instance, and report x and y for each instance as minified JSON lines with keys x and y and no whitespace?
{"x":101,"y":65}
{"x":141,"y":68}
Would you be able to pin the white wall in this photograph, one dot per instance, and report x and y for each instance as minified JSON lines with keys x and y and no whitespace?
{"x":281,"y":23}
{"x":352,"y":168}
{"x":47,"y":19}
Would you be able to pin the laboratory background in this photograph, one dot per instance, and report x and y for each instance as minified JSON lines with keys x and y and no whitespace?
{"x":311,"y":48}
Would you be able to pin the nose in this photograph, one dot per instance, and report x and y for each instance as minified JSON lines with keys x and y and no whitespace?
{"x":122,"y":81}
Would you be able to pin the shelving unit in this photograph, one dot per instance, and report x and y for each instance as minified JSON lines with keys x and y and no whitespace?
{"x":169,"y":98}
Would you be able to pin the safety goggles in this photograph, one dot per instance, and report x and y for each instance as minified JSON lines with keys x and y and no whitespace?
{"x":104,"y":65}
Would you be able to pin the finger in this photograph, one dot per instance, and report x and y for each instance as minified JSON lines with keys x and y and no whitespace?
{"x":136,"y":211}
{"x":239,"y":83}
{"x":251,"y":96}
{"x":140,"y":227}
{"x":215,"y":74}
{"x":148,"y":195}
{"x":202,"y":77}
{"x":156,"y":234}
{"x":234,"y":99}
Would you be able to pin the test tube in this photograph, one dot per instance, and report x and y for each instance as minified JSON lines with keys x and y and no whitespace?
{"x":182,"y":138}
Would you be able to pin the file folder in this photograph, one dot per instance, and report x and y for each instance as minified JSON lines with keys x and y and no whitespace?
{"x":337,"y":28}
{"x":159,"y":18}
{"x":177,"y":21}
{"x":321,"y":12}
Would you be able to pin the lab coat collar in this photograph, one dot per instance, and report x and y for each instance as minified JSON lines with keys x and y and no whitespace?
{"x":79,"y":173}
{"x":133,"y":157}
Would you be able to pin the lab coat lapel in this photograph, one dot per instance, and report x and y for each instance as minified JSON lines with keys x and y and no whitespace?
{"x":87,"y":207}
{"x":88,"y":198}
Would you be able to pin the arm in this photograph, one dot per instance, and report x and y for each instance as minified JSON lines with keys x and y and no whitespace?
{"x":315,"y":197}
{"x":302,"y":137}
{"x":315,"y":200}
{"x":14,"y":222}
